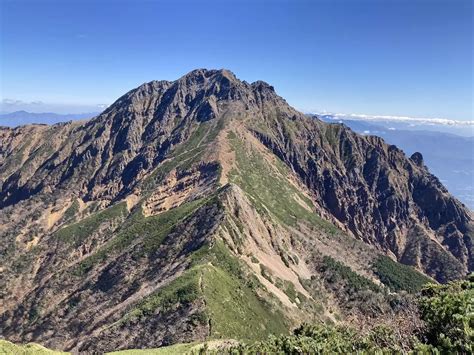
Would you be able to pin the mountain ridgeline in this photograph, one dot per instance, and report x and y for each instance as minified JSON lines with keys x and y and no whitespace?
{"x":208,"y":208}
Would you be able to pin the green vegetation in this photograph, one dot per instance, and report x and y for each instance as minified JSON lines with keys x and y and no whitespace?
{"x":177,"y":349}
{"x":266,"y":273}
{"x":286,"y":286}
{"x":76,"y":233}
{"x":289,"y":289}
{"x":235,"y":309}
{"x":398,"y":276}
{"x":156,"y":228}
{"x":236,"y":233}
{"x":7,"y":347}
{"x":205,"y":133}
{"x":24,"y":261}
{"x":219,"y":255}
{"x":332,"y":134}
{"x":183,"y":290}
{"x":71,"y":211}
{"x":151,"y":232}
{"x":270,"y":189}
{"x":448,"y":312}
{"x":334,"y":273}
{"x":325,"y":339}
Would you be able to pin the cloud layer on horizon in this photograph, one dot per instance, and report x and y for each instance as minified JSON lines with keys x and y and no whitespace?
{"x":407,"y":119}
{"x":8,"y":105}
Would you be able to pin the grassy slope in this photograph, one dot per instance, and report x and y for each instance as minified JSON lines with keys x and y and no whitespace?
{"x":269,"y":189}
{"x":233,"y":307}
{"x":177,"y":349}
{"x":76,"y":233}
{"x":7,"y":347}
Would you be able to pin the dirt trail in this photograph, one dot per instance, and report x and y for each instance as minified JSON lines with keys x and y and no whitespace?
{"x":226,"y":156}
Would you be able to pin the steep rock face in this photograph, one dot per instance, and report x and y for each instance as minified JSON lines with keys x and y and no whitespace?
{"x":130,"y":229}
{"x":373,"y":189}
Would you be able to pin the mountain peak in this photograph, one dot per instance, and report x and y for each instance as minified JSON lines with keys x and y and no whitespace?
{"x":198,"y":93}
{"x":210,"y":73}
{"x":262,"y":86}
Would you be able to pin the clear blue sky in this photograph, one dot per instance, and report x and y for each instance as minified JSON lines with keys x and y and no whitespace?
{"x":405,"y":57}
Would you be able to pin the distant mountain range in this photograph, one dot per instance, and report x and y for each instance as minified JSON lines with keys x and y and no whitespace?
{"x":448,"y":156}
{"x":19,"y":118}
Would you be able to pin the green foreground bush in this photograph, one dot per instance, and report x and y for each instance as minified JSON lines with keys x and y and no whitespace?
{"x":447,"y":312}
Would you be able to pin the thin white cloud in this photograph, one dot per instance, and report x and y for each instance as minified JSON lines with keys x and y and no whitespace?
{"x":12,"y":102}
{"x":410,"y":120}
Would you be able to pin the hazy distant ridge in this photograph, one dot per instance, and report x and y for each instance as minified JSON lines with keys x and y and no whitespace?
{"x":19,"y":118}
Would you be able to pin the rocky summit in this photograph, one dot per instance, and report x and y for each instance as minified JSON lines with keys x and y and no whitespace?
{"x":208,"y":208}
